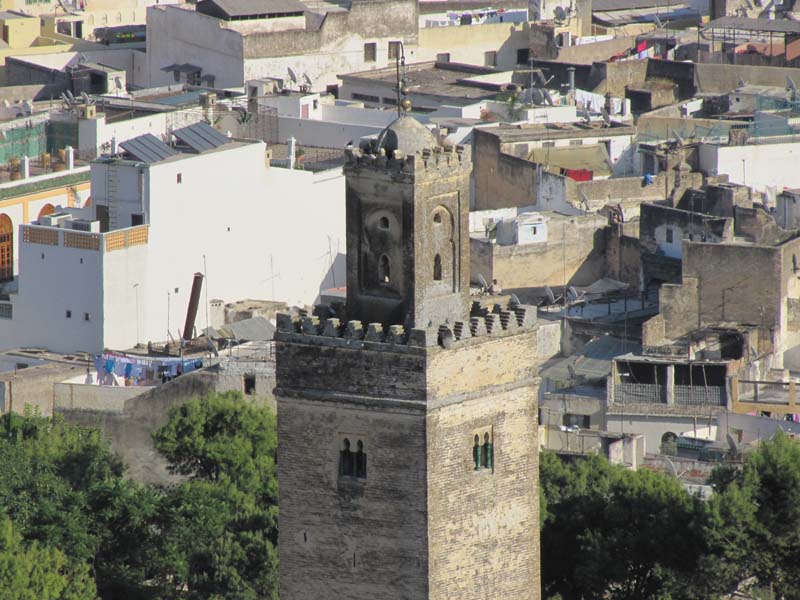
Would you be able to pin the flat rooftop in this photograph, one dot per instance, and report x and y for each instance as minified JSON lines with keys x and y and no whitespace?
{"x":447,"y":80}
{"x":530,"y":132}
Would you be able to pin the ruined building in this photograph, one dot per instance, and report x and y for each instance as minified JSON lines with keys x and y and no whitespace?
{"x":407,"y":434}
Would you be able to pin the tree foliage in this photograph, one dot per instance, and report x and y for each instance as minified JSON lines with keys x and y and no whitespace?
{"x":222,"y":534}
{"x":77,"y":526}
{"x":608,"y":532}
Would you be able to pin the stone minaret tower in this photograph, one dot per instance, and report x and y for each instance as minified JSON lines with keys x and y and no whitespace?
{"x":407,"y":434}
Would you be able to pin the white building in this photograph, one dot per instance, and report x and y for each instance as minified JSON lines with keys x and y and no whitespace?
{"x":158,"y":215}
{"x":227,"y":42}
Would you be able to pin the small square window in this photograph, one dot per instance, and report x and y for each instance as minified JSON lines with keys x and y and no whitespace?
{"x":576,"y":142}
{"x":180,"y":178}
{"x":444,"y":57}
{"x":69,"y":314}
{"x":523,"y":55}
{"x":394,"y":50}
{"x":370,"y":51}
{"x":87,"y":317}
{"x":316,"y":104}
{"x":549,"y":144}
{"x":490,"y":58}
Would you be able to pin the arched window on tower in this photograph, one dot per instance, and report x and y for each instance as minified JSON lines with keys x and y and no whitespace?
{"x":346,"y":459}
{"x":6,"y":248}
{"x":487,"y":451}
{"x":361,"y":461}
{"x":383,"y":269}
{"x":437,"y":268}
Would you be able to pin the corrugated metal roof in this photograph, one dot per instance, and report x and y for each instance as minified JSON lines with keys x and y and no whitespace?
{"x":148,"y":148}
{"x":257,"y":329}
{"x":745,"y":24}
{"x":243,"y":8}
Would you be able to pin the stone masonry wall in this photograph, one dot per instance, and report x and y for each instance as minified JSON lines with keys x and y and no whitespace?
{"x":484,"y":525}
{"x":349,"y":538}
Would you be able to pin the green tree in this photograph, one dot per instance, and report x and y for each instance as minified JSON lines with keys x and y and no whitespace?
{"x":609,"y":532}
{"x":754,"y":527}
{"x":33,"y":572}
{"x":220,"y":526}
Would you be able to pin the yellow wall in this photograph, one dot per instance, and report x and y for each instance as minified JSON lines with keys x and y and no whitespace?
{"x":20,"y":32}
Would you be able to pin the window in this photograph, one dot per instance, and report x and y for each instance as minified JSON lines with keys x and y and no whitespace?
{"x":383,"y":269}
{"x":365,"y":97}
{"x":669,"y":235}
{"x":490,"y":58}
{"x":69,"y":314}
{"x":315,"y":104}
{"x":523,"y":56}
{"x":394,"y":50}
{"x":549,"y":144}
{"x":138,"y":218}
{"x":6,"y":248}
{"x":179,"y":178}
{"x":444,"y":57}
{"x":437,"y":218}
{"x":582,"y":421}
{"x":249,"y":385}
{"x":576,"y":142}
{"x":6,"y":311}
{"x":193,"y":78}
{"x":370,"y":51}
{"x":437,"y":268}
{"x":533,"y":230}
{"x":87,"y":317}
{"x":352,"y":463}
{"x":483,"y":452}
{"x":383,"y":223}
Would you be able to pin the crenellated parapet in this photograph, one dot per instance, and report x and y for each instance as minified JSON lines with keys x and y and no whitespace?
{"x":484,"y":322}
{"x":438,"y":161}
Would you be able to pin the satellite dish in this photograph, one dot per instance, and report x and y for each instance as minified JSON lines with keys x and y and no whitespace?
{"x":482,"y":282}
{"x":547,"y":97}
{"x":514,"y":300}
{"x":732,"y":443}
{"x":307,"y":79}
{"x":659,"y":24}
{"x":291,"y":74}
{"x":561,"y":14}
{"x":606,"y":116}
{"x":536,"y":96}
{"x":586,"y":116}
{"x":677,"y":136}
{"x":742,"y":82}
{"x":572,"y":293}
{"x":551,"y":298}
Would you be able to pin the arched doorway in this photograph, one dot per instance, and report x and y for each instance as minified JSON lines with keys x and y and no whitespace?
{"x":6,"y":248}
{"x":47,"y":209}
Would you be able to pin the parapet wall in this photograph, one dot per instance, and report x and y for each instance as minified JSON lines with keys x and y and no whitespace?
{"x":437,"y":162}
{"x":327,"y":357}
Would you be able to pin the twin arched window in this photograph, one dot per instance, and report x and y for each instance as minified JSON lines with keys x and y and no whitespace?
{"x":483,"y":453}
{"x":352,"y":463}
